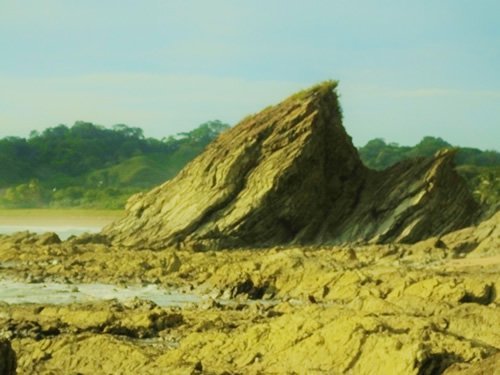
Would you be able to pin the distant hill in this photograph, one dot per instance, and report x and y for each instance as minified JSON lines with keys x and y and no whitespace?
{"x":87,"y":165}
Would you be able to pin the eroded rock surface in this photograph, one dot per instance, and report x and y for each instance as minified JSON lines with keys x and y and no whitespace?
{"x":291,"y":175}
{"x":414,"y":309}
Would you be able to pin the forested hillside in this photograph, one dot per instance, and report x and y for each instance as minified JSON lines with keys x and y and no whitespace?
{"x":87,"y":165}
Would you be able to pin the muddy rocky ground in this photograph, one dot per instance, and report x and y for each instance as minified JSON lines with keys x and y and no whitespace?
{"x":426,"y":308}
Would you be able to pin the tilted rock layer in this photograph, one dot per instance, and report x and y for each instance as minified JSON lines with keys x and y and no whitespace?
{"x":291,"y":175}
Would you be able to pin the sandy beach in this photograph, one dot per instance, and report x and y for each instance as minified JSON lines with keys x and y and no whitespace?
{"x":58,"y":217}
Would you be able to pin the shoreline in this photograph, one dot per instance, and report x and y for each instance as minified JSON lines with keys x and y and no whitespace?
{"x":58,"y":217}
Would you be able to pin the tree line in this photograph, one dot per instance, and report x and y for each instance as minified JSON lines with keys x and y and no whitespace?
{"x":59,"y":162}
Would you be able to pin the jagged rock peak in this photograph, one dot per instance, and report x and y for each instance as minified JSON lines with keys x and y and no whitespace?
{"x":290,"y":174}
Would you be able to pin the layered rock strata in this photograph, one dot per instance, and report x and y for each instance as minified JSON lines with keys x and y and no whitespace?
{"x":291,"y":175}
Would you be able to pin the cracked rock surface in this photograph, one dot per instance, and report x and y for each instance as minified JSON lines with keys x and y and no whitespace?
{"x":422,"y":308}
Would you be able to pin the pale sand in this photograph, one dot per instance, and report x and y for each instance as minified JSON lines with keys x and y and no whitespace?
{"x":58,"y":217}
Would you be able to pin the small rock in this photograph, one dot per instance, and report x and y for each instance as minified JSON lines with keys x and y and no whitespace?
{"x":440,"y":244}
{"x":198,"y":368}
{"x":49,"y":238}
{"x":90,"y":238}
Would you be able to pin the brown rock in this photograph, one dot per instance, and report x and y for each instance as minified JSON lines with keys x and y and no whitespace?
{"x":49,"y":238}
{"x":89,"y":238}
{"x":411,"y":201}
{"x":490,"y":366}
{"x":7,"y":358}
{"x":291,"y":175}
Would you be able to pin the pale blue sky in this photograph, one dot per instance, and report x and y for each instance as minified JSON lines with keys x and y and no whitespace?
{"x":406,"y":68}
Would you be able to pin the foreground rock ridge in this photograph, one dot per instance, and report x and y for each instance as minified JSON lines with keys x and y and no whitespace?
{"x":291,"y":175}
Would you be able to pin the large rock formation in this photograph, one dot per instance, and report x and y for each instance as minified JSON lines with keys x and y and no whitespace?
{"x":290,"y":174}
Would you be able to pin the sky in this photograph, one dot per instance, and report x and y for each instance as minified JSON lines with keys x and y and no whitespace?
{"x":407,"y":69}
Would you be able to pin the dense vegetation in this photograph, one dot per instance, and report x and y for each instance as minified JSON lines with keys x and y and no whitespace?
{"x":87,"y":165}
{"x":481,"y":169}
{"x":377,"y":154}
{"x":90,"y":166}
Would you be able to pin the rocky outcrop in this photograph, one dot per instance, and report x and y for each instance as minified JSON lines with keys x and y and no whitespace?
{"x":411,"y":201}
{"x":291,"y":175}
{"x":481,"y":240}
{"x":7,"y":358}
{"x":134,"y":319}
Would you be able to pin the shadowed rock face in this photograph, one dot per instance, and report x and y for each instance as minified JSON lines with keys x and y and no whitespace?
{"x":7,"y":358}
{"x":489,"y":365}
{"x":290,"y":174}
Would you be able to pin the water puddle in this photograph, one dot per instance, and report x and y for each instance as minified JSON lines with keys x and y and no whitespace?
{"x":14,"y":292}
